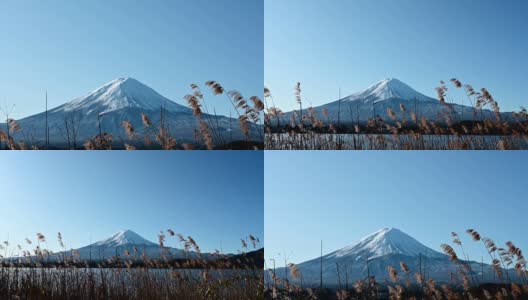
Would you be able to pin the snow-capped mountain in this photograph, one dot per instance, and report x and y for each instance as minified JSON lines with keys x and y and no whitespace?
{"x":125,"y":244}
{"x":130,"y":245}
{"x":123,"y":99}
{"x":120,"y":94}
{"x":389,"y":94}
{"x":384,"y":242}
{"x":124,"y":237}
{"x":387,"y":89}
{"x":374,"y":253}
{"x":127,"y":241}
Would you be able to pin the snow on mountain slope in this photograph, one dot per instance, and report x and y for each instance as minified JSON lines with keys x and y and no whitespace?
{"x":383,"y":242}
{"x":125,"y":237}
{"x":385,"y":90}
{"x":127,"y":243}
{"x":389,"y":94}
{"x":373,"y":254}
{"x":124,"y":99}
{"x":119,"y":94}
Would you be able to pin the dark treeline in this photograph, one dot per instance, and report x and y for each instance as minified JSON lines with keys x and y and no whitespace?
{"x":463,"y":127}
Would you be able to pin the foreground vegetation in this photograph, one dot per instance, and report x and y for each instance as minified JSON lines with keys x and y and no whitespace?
{"x":306,"y":130}
{"x":33,"y":276}
{"x":411,"y":284}
{"x":207,"y":136}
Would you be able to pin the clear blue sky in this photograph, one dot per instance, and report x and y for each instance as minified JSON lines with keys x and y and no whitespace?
{"x":215,"y":197}
{"x":71,"y":48}
{"x":327,"y":45}
{"x":340,"y":197}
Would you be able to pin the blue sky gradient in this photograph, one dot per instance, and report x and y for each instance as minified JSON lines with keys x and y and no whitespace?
{"x":341,"y":197}
{"x":71,"y":48}
{"x":215,"y":197}
{"x":353,"y":44}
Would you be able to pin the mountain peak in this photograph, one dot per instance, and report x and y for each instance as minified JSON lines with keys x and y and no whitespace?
{"x":386,"y":230}
{"x":390,"y":79}
{"x":120,"y":93}
{"x":125,"y":237}
{"x":126,"y":232}
{"x":384,"y":242}
{"x":124,"y":81}
{"x":386,"y":89}
{"x":394,"y":85}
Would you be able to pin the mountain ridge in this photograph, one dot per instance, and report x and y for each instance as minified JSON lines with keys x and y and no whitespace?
{"x":126,"y":248}
{"x":373,"y":254}
{"x":385,"y":241}
{"x":124,"y":237}
{"x":125,"y":92}
{"x":124,"y":99}
{"x":392,"y":94}
{"x":125,"y":244}
{"x":386,"y":89}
